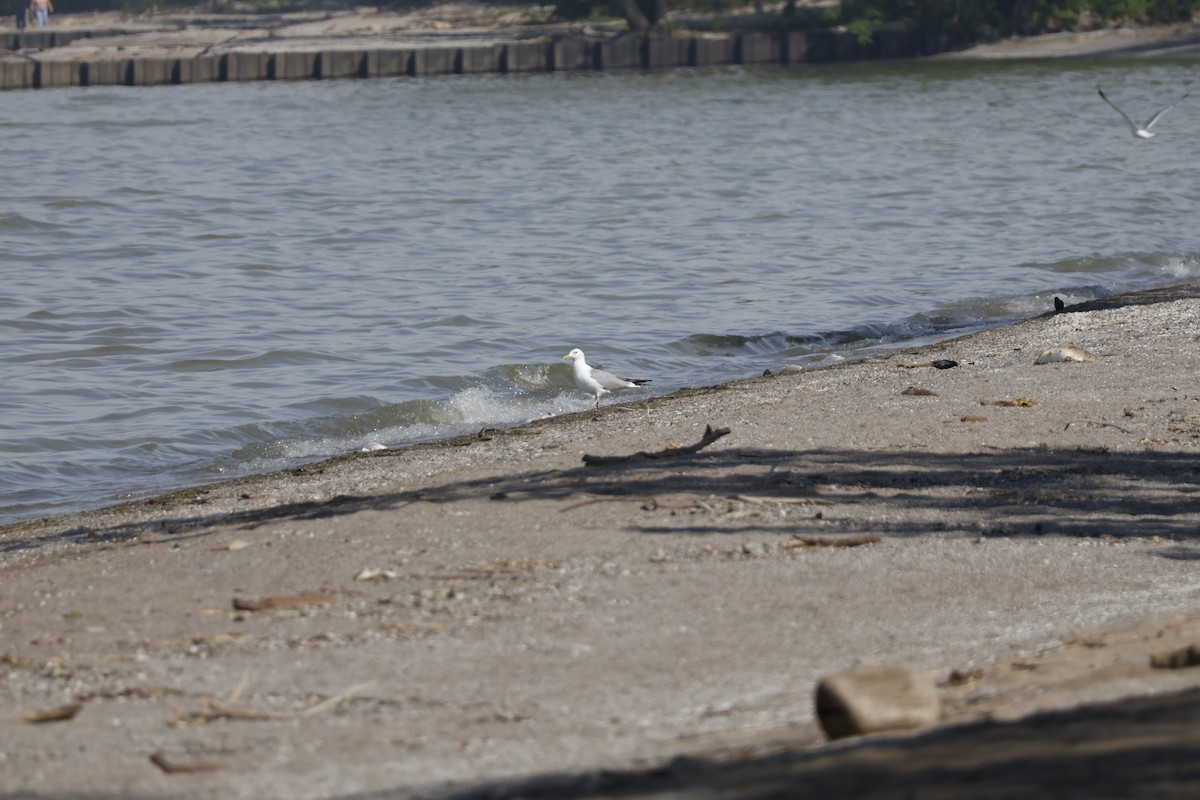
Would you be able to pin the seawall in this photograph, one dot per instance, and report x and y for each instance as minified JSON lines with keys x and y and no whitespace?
{"x":365,"y":59}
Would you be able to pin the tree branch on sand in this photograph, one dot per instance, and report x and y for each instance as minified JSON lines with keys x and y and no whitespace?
{"x":710,"y":435}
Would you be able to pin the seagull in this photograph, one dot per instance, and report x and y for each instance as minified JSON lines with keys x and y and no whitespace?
{"x":597,"y":380}
{"x":1141,"y":131}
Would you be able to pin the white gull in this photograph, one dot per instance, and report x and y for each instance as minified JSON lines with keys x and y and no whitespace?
{"x":595,"y":380}
{"x":1141,"y":131}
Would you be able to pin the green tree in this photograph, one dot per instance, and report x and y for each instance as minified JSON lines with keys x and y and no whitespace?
{"x":641,"y":15}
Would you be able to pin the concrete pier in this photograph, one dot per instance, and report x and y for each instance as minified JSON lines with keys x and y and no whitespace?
{"x":42,"y":70}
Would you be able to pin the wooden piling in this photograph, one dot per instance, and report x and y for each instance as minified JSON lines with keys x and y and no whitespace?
{"x":17,"y":73}
{"x":543,"y":54}
{"x":388,"y":63}
{"x":51,"y":74}
{"x":572,"y":54}
{"x":435,"y":61}
{"x":151,"y":71}
{"x":624,"y":52}
{"x":480,"y":59}
{"x":525,"y":57}
{"x":757,"y":48}
{"x":712,"y":51}
{"x":666,"y":53}
{"x":242,"y":65}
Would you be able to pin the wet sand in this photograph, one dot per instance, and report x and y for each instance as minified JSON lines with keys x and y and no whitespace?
{"x":469,"y":616}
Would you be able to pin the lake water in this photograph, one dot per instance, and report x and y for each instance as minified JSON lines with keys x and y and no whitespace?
{"x":212,"y":280}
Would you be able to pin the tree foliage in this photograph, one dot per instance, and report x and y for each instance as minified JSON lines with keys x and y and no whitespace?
{"x":1009,"y":17}
{"x":974,"y":18}
{"x":863,"y":17}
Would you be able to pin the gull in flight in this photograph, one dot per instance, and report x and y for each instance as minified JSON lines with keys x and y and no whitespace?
{"x":1141,"y":131}
{"x":597,"y":380}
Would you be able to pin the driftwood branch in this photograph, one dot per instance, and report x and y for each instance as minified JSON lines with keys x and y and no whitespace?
{"x":176,"y":767}
{"x":211,"y":709}
{"x":59,"y":714}
{"x":1096,"y":422}
{"x":649,"y":503}
{"x":710,"y":435}
{"x":831,"y":541}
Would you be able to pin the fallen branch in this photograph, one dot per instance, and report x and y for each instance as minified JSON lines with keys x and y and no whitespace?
{"x":649,"y":503}
{"x":59,"y":714}
{"x":285,"y":601}
{"x":823,"y":541}
{"x":1020,"y":402}
{"x":211,"y":709}
{"x":710,"y":436}
{"x":1096,"y":422}
{"x":800,"y":501}
{"x":176,"y":767}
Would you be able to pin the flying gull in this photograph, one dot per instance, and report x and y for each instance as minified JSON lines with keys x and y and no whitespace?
{"x":1141,"y":131}
{"x":597,"y":380}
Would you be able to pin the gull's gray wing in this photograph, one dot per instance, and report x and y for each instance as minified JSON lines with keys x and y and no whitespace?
{"x":1132,"y":124}
{"x":610,"y":381}
{"x":1162,"y":111}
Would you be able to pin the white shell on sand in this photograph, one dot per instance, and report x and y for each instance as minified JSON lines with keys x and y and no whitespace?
{"x":1065,"y":353}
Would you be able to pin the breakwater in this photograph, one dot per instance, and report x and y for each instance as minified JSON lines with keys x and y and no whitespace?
{"x":41,"y":70}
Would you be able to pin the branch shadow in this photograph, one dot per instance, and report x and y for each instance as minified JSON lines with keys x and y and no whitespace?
{"x":1142,"y":747}
{"x":1020,"y":492}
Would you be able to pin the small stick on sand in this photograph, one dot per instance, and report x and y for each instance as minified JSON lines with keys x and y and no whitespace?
{"x":176,"y":767}
{"x":285,"y":601}
{"x":59,"y":714}
{"x":211,"y":709}
{"x":1096,"y":422}
{"x":710,"y":436}
{"x":649,"y":502}
{"x":801,"y":501}
{"x":824,"y":541}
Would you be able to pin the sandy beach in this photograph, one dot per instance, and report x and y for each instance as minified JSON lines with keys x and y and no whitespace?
{"x":492,"y":616}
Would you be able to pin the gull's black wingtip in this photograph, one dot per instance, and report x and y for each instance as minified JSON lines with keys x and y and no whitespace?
{"x":1059,"y":305}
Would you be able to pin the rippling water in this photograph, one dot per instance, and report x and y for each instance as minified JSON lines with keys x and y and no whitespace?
{"x":203,"y":281}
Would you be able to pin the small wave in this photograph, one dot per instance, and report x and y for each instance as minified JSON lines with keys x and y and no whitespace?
{"x":18,"y":223}
{"x":530,"y":376}
{"x":788,"y":344}
{"x":390,"y":426}
{"x":270,"y":358}
{"x":67,"y":202}
{"x":86,"y":354}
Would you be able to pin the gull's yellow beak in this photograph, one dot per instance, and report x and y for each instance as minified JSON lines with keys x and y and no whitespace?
{"x":567,"y":357}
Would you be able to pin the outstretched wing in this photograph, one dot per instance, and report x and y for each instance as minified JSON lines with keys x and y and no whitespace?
{"x":1125,"y":116}
{"x":1162,"y":111}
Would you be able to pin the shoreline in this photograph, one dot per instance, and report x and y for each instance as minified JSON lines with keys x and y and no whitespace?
{"x":183,"y":496}
{"x":154,"y":50}
{"x":502,"y":611}
{"x":174,"y":497}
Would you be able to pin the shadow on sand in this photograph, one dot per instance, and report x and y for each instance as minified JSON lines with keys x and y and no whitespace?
{"x":1027,"y":492}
